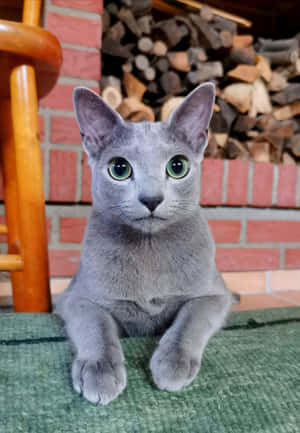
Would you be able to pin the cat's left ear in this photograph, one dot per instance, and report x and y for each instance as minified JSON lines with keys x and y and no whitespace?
{"x":189,"y":122}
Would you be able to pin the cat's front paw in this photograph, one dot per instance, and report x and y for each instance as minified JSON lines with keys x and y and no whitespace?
{"x":173,"y":368}
{"x":99,"y":382}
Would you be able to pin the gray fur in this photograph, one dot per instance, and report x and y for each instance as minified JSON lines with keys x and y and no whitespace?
{"x":138,"y":275}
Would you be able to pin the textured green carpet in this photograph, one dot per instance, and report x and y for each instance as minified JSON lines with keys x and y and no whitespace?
{"x":249,"y":381}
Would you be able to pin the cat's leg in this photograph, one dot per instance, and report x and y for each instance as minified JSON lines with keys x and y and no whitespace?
{"x":98,"y":370}
{"x":177,"y":359}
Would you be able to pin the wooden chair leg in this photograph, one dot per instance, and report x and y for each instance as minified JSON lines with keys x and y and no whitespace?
{"x":32,"y":222}
{"x":10,"y":194}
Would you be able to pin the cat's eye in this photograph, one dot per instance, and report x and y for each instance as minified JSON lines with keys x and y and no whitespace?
{"x":177,"y":167}
{"x":119,"y":169}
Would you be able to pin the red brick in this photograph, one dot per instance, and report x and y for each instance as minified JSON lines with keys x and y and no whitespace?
{"x":74,"y":30}
{"x":273,"y":231}
{"x":262,"y":184}
{"x":63,"y":263}
{"x":86,"y":5}
{"x":62,"y":175}
{"x":237,"y":183}
{"x":286,"y":193}
{"x":247,"y":259}
{"x":212,"y":181}
{"x":72,"y":229}
{"x":41,"y":127}
{"x":292,"y":258}
{"x":64,"y":130}
{"x":82,"y":64}
{"x":60,"y":97}
{"x":225,"y":231}
{"x":86,"y":195}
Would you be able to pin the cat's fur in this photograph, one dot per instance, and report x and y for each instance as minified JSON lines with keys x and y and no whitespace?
{"x":138,"y":275}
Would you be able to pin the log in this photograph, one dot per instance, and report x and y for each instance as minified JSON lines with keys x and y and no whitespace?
{"x":264,"y":68}
{"x":244,"y":123}
{"x":132,"y":108}
{"x":260,"y":99}
{"x":112,"y":96}
{"x":105,"y":21}
{"x":141,"y":62}
{"x":149,"y":74}
{"x":278,"y":82}
{"x":280,"y":57}
{"x":144,"y":24}
{"x":295,"y":145}
{"x":117,"y":31}
{"x":287,"y":158}
{"x":113,"y":48}
{"x":242,"y":41}
{"x":239,"y":95}
{"x":127,"y":17}
{"x":208,"y":34}
{"x":171,"y":31}
{"x":127,"y":67}
{"x":267,"y":122}
{"x":152,"y":88}
{"x":236,"y":150}
{"x":162,"y":64}
{"x":226,"y":38}
{"x":221,"y":139}
{"x":221,"y":23}
{"x":287,"y":111}
{"x":145,"y":45}
{"x":179,"y":60}
{"x":194,"y":39}
{"x":205,"y":72}
{"x":196,"y":55}
{"x":243,"y":55}
{"x":278,"y":45}
{"x":112,"y":9}
{"x":110,"y":80}
{"x":290,"y":94}
{"x":170,"y":83}
{"x":246,"y":73}
{"x":133,"y":86}
{"x":260,"y":151}
{"x":141,"y":7}
{"x":169,"y":106}
{"x":206,"y":13}
{"x":159,"y":48}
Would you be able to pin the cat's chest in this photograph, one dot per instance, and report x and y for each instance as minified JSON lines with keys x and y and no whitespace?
{"x":148,"y":273}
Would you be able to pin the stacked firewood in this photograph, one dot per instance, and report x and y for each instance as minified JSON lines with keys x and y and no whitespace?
{"x":150,"y":62}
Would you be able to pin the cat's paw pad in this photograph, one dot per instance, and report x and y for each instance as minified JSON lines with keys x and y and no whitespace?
{"x":173,"y":369}
{"x":99,"y":382}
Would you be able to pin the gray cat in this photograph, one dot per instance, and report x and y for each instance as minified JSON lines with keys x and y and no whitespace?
{"x":148,"y":258}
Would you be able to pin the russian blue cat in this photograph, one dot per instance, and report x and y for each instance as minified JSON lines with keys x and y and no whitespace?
{"x":148,"y":258}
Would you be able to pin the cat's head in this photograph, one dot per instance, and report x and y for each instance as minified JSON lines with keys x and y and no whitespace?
{"x":145,"y":175}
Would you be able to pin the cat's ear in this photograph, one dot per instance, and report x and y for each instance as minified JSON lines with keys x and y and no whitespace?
{"x":95,"y":118}
{"x":189,"y":122}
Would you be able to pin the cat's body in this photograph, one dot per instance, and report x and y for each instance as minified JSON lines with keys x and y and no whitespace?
{"x":142,"y":273}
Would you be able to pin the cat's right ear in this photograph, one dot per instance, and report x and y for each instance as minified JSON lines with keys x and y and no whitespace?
{"x":96,"y":120}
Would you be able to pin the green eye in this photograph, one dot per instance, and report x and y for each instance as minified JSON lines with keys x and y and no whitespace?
{"x":177,"y":167}
{"x":119,"y":169}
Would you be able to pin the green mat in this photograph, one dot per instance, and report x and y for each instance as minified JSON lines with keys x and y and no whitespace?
{"x":249,"y":381}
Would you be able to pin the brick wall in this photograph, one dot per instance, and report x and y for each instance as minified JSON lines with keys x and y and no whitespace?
{"x":251,"y":208}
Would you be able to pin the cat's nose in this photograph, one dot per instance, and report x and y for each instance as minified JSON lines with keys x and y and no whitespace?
{"x":151,"y":202}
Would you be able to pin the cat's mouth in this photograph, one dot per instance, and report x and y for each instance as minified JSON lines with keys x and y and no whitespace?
{"x":150,"y":217}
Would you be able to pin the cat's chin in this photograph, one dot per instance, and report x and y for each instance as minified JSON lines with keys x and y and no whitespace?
{"x":149,"y":224}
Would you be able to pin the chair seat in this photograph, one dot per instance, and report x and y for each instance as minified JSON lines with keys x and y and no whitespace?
{"x":24,"y":44}
{"x":248,"y":382}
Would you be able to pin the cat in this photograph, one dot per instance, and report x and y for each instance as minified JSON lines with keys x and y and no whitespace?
{"x":148,"y":259}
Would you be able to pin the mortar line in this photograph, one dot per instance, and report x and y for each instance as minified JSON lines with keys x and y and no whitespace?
{"x":225,"y":181}
{"x":250,"y":182}
{"x":275,"y":184}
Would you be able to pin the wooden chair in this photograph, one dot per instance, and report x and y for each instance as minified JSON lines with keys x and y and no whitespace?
{"x":30,"y":59}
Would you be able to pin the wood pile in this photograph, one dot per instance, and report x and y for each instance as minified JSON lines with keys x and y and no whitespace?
{"x":151,"y":61}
